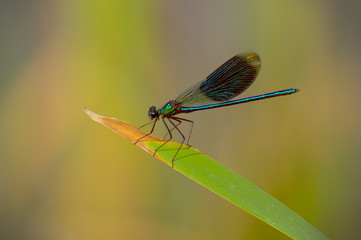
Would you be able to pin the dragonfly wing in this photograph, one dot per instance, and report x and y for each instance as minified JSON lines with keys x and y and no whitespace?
{"x":225,"y":83}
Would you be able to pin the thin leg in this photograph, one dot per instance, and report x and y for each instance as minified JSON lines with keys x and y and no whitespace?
{"x":187,"y":120}
{"x":179,"y":122}
{"x":145,"y":124}
{"x":181,"y":142}
{"x":170,"y":137}
{"x":151,"y":131}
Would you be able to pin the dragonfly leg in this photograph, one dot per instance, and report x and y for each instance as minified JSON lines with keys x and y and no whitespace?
{"x":178,"y":123}
{"x":151,"y":131}
{"x":175,"y":126}
{"x":145,"y":124}
{"x":187,"y":120}
{"x":170,"y":137}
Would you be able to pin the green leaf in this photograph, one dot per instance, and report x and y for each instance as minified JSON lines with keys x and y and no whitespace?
{"x":219,"y":179}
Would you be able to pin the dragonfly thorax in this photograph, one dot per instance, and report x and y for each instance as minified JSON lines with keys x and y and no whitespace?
{"x":171,"y":108}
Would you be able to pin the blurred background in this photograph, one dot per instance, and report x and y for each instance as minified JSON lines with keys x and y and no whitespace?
{"x":63,"y":176}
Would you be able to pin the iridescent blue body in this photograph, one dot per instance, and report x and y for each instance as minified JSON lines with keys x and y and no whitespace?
{"x":225,"y":83}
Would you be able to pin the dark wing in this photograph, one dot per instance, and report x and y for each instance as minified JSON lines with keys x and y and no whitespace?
{"x":225,"y":83}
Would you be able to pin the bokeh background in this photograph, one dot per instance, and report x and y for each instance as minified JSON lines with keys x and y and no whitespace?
{"x":63,"y":176}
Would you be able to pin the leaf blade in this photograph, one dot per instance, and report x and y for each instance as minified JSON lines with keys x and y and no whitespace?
{"x":219,"y":179}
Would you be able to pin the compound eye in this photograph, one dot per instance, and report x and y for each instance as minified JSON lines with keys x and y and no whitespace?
{"x":152,"y":112}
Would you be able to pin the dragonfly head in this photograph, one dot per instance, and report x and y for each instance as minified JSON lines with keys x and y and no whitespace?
{"x":153,"y":113}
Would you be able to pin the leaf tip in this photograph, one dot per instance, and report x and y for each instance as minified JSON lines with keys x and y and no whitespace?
{"x":92,"y":115}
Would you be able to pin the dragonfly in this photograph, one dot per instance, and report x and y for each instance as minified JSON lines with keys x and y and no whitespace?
{"x":215,"y":91}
